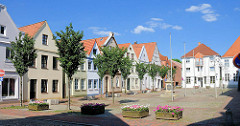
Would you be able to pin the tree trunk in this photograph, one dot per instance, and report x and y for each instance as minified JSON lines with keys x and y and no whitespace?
{"x":140,"y":86}
{"x":69,"y":81}
{"x":21,"y":95}
{"x":125,"y":86}
{"x":101,"y":87}
{"x":112,"y":89}
{"x":153,"y":85}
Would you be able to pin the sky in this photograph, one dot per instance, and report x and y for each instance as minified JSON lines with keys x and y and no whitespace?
{"x":212,"y":22}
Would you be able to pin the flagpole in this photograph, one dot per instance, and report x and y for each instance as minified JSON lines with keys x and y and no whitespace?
{"x":171,"y":66}
{"x":194,"y":72}
{"x":184,"y":71}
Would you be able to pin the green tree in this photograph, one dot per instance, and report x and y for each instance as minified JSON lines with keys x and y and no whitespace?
{"x":71,"y":52}
{"x":112,"y":58}
{"x":152,"y":71}
{"x":125,"y":68}
{"x":22,"y":56}
{"x":163,"y":71}
{"x":98,"y":61}
{"x":141,"y":69}
{"x":177,"y":60}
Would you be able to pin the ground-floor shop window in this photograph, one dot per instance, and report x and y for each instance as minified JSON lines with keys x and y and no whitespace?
{"x":8,"y":87}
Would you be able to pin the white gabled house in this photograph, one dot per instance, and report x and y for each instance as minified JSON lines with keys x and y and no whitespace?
{"x":230,"y":72}
{"x":200,"y":67}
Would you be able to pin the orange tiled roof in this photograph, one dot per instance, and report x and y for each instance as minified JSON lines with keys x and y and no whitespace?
{"x":89,"y":43}
{"x":150,"y":47}
{"x":137,"y":49}
{"x":125,"y":45}
{"x":162,"y":57}
{"x":203,"y":49}
{"x":32,"y":29}
{"x":234,"y":49}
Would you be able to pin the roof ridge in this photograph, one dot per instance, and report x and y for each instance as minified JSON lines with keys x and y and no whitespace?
{"x":32,"y":24}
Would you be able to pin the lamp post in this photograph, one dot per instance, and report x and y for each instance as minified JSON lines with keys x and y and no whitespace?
{"x":216,"y":61}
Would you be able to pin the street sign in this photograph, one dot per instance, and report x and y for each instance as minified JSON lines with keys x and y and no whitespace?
{"x":236,"y":60}
{"x":1,"y":79}
{"x":2,"y":73}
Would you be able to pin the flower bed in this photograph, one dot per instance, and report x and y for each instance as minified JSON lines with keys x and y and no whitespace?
{"x":135,"y":111}
{"x":38,"y":106}
{"x":93,"y":108}
{"x":168,"y":112}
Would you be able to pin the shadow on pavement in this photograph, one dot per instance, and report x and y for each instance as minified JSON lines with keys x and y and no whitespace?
{"x":68,"y":118}
{"x":127,"y":101}
{"x":230,"y":118}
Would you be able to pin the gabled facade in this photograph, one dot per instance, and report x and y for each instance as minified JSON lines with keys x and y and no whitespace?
{"x":44,"y":78}
{"x":229,"y":72}
{"x":9,"y":87}
{"x":199,"y":69}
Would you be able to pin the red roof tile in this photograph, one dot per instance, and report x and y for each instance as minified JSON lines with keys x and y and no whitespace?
{"x":203,"y":49}
{"x":32,"y":29}
{"x":150,"y":47}
{"x":125,"y":45}
{"x":137,"y":49}
{"x":234,"y":49}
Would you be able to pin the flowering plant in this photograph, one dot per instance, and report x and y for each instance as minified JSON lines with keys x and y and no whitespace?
{"x":135,"y":108}
{"x":38,"y":103}
{"x":168,"y":109}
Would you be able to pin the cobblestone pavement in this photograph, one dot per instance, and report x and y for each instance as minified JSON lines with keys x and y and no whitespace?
{"x":200,"y":108}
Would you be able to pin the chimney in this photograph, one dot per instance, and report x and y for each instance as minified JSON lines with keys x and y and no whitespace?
{"x":111,"y":34}
{"x":2,"y":7}
{"x":199,"y":43}
{"x":135,"y":42}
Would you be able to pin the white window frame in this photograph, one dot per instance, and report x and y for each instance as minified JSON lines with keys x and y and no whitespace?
{"x":95,"y":85}
{"x":76,"y":84}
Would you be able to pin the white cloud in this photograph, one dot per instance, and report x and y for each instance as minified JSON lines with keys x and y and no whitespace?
{"x":141,"y":28}
{"x":237,"y":9}
{"x":176,"y":27}
{"x":156,"y":19}
{"x":206,"y":9}
{"x":101,"y":31}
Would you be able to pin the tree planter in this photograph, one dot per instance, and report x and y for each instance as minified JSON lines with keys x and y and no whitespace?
{"x":38,"y":107}
{"x":208,"y":87}
{"x":93,"y":110}
{"x":165,"y":115}
{"x":135,"y":114}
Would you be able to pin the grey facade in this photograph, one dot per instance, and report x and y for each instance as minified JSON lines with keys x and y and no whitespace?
{"x":9,"y":87}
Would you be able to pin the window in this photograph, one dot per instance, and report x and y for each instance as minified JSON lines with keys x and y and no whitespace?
{"x":76,"y":84}
{"x":55,"y":86}
{"x":3,"y":30}
{"x":212,"y":79}
{"x":44,"y":61}
{"x":226,"y":63}
{"x":44,"y":39}
{"x":187,"y":69}
{"x":136,"y":81}
{"x":227,"y":77}
{"x":94,"y":67}
{"x":195,"y":80}
{"x":95,"y":83}
{"x":8,"y":53}
{"x":199,"y":69}
{"x":89,"y":84}
{"x":127,"y":54}
{"x":43,"y":86}
{"x":211,"y":58}
{"x":8,"y":87}
{"x":205,"y":80}
{"x":33,"y":63}
{"x":117,"y":82}
{"x":94,"y":51}
{"x":174,"y":67}
{"x":89,"y":65}
{"x":188,"y":80}
{"x":212,"y":68}
{"x":187,"y":60}
{"x":55,"y":63}
{"x":82,"y":84}
{"x":82,"y":67}
{"x":132,"y":55}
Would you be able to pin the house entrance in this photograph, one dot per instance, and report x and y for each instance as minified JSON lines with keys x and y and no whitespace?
{"x":33,"y":83}
{"x":128,"y":84}
{"x":200,"y":81}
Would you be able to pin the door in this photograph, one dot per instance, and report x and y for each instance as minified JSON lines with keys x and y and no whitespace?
{"x":33,"y":88}
{"x":128,"y":84}
{"x":200,"y":81}
{"x":8,"y":87}
{"x":106,"y":85}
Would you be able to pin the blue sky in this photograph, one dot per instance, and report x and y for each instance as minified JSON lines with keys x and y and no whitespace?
{"x":214,"y":23}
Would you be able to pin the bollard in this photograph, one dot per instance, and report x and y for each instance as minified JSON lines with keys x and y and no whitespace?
{"x":229,"y":118}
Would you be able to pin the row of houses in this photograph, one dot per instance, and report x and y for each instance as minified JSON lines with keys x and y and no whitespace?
{"x":45,"y":78}
{"x":202,"y":67}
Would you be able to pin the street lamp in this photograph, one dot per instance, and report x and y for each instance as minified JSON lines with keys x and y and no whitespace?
{"x":216,"y":61}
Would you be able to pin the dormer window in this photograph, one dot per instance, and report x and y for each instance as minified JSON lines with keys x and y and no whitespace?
{"x":44,"y":39}
{"x":94,"y":51}
{"x":3,"y":30}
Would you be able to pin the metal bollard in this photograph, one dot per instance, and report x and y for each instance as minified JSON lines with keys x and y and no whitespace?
{"x":229,"y":118}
